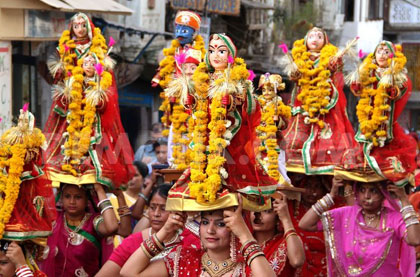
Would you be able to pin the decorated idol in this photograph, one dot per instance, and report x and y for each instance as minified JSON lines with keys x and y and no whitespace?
{"x":226,"y":115}
{"x":187,"y":26}
{"x":384,"y":88}
{"x":27,"y":200}
{"x":274,"y":117}
{"x":86,"y":141}
{"x":181,"y":88}
{"x":319,"y":136}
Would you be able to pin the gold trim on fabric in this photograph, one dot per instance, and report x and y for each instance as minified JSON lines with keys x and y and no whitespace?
{"x":365,"y":177}
{"x":57,"y":178}
{"x":252,"y":206}
{"x":300,"y":169}
{"x":183,"y":204}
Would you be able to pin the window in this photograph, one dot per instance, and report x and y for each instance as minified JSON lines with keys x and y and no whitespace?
{"x":346,"y":7}
{"x":376,"y":9}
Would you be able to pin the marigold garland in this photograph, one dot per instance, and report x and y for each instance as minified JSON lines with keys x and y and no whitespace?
{"x":267,"y":132}
{"x":166,"y":72}
{"x":179,"y":118}
{"x":374,"y":107}
{"x":315,"y":93}
{"x":199,"y":158}
{"x":81,"y":116}
{"x":206,"y":179}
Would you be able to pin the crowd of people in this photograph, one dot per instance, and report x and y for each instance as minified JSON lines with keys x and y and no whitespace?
{"x":261,"y":189}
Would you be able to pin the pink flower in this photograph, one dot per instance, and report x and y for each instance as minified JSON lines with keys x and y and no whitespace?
{"x":99,"y":69}
{"x":357,"y":37}
{"x":111,"y":41}
{"x":284,"y":48}
{"x":181,"y":58}
{"x":25,"y":107}
{"x":230,"y":59}
{"x":251,"y":75}
{"x":66,"y":48}
{"x":391,"y":55}
{"x":68,"y":73}
{"x":1,"y":119}
{"x":362,"y":54}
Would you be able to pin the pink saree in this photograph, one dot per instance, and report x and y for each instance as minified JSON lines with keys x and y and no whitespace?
{"x":354,"y":249}
{"x":80,"y":256}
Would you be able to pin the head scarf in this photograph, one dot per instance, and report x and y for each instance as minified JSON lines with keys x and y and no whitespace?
{"x":388,"y":44}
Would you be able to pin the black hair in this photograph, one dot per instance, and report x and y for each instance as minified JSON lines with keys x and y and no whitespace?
{"x":142,"y":168}
{"x":4,"y":244}
{"x":159,"y":142}
{"x":161,"y":189}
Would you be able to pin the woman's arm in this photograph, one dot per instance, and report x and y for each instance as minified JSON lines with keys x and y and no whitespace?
{"x":139,"y":264}
{"x":295,"y":251}
{"x":235,"y":222}
{"x":310,"y":220}
{"x":109,"y":226}
{"x":137,"y":211}
{"x":409,"y":215}
{"x":124,"y":228}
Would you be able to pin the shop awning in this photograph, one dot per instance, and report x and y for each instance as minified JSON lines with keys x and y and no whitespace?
{"x":103,"y":6}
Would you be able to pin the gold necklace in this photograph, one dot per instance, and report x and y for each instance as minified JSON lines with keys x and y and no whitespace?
{"x":216,"y":269}
{"x":74,"y":238}
{"x":369,"y":218}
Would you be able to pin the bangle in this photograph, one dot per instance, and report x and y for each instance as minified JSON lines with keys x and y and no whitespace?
{"x":144,"y":197}
{"x":158,"y":242}
{"x":23,"y":271}
{"x":247,"y":244}
{"x":408,"y":207}
{"x":291,"y":230}
{"x":152,"y":246}
{"x":104,"y":204}
{"x":291,"y":234}
{"x":122,"y":215}
{"x":102,"y":201}
{"x":106,"y":208}
{"x":257,"y":254}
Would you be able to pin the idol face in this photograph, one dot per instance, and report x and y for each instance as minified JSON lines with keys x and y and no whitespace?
{"x":382,"y":54}
{"x":79,"y":27}
{"x":89,"y":66}
{"x":184,"y":34}
{"x":218,"y":54}
{"x":315,"y":40}
{"x":189,"y":69}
